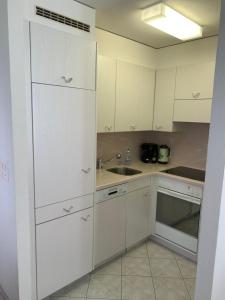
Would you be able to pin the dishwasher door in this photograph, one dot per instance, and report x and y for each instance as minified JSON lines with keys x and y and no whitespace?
{"x":109,"y":229}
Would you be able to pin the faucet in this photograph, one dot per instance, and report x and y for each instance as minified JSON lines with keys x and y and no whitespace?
{"x":101,"y":162}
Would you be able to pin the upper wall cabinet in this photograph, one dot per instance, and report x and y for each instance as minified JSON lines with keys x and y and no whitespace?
{"x":106,"y":94}
{"x":164,"y":99}
{"x":67,"y":59}
{"x":134,"y":97}
{"x":195,"y":81}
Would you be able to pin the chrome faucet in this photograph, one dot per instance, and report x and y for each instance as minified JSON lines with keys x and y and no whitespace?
{"x":101,"y":162}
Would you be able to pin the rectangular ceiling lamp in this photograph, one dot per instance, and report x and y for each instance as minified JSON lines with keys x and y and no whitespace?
{"x":168,"y":20}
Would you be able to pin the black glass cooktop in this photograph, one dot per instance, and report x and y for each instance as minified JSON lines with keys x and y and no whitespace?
{"x":187,"y":173}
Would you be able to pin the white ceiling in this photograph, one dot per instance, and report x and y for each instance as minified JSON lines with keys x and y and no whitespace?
{"x":123,"y":17}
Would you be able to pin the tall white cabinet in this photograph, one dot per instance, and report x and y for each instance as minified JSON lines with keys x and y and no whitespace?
{"x":63,"y":103}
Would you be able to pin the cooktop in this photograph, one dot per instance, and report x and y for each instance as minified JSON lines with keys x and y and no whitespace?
{"x":187,"y":173}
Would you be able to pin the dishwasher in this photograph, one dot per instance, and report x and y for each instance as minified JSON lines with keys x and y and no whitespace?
{"x":110,"y":226}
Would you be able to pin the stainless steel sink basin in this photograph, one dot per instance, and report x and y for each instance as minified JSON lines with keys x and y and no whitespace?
{"x":124,"y":171}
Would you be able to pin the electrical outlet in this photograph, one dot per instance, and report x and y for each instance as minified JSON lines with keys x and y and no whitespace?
{"x":4,"y":171}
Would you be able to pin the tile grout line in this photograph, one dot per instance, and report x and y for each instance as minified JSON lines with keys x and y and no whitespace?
{"x":153,"y":284}
{"x":176,"y":259}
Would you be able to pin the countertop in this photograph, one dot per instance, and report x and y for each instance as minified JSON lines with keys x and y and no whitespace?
{"x":105,"y":179}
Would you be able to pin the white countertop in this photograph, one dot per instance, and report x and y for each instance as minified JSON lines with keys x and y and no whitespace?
{"x":105,"y":179}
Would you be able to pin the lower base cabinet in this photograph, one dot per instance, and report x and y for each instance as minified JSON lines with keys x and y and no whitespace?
{"x":64,"y":251}
{"x":122,"y":222}
{"x":137,"y":216}
{"x":109,"y":228}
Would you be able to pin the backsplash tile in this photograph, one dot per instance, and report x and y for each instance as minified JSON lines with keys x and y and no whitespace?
{"x":188,"y":144}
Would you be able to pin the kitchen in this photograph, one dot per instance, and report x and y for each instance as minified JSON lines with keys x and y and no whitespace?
{"x":130,"y":229}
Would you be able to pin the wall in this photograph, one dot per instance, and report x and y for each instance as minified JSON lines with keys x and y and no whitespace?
{"x":211,"y":262}
{"x":187,"y":53}
{"x":188,"y":145}
{"x":8,"y":241}
{"x":114,"y":46}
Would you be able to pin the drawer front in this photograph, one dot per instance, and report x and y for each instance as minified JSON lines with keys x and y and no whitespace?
{"x":54,"y":211}
{"x":139,"y":184}
{"x":181,"y":187}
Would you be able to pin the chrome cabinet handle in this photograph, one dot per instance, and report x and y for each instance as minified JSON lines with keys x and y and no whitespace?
{"x":67,"y":79}
{"x":133,"y":127}
{"x":68,"y":210}
{"x":86,"y":171}
{"x":196,"y":95}
{"x":85,"y":218}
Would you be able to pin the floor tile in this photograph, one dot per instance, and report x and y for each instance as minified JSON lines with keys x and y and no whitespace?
{"x":170,"y":289}
{"x":187,"y":268}
{"x":135,"y":266}
{"x":190,"y":285}
{"x":140,"y":251}
{"x":76,"y":289}
{"x":163,"y":267}
{"x":111,"y":268}
{"x":105,"y":287}
{"x":157,"y":251}
{"x":137,"y":288}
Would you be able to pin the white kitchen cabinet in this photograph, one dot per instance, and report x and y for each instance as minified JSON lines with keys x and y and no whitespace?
{"x":64,"y":251}
{"x":134,"y":97}
{"x":164,"y":99}
{"x":109,"y":228}
{"x":106,"y":94}
{"x":60,"y":58}
{"x":198,"y":111}
{"x":64,"y":143}
{"x":138,"y":216}
{"x":195,"y":81}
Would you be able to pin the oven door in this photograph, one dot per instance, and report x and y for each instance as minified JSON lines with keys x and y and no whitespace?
{"x":177,"y":218}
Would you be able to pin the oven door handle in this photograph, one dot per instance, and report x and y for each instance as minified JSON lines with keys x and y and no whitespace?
{"x":180,"y":196}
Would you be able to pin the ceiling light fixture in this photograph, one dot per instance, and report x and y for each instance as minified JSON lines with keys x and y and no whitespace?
{"x":168,"y":20}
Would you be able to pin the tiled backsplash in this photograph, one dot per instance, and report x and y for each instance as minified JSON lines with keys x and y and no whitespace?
{"x":188,"y":144}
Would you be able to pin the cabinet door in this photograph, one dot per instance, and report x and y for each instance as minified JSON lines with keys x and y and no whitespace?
{"x":64,"y":251}
{"x":164,"y":99}
{"x":195,"y":81}
{"x":127,"y":96}
{"x":198,"y":111}
{"x":64,"y":143}
{"x":146,"y":99}
{"x":138,"y":225}
{"x":68,"y":60}
{"x":109,"y":228}
{"x":106,"y":94}
{"x":134,"y":97}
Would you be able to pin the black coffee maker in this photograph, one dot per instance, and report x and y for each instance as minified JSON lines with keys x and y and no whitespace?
{"x":149,"y":153}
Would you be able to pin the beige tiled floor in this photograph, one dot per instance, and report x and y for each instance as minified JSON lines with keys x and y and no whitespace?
{"x":148,"y":272}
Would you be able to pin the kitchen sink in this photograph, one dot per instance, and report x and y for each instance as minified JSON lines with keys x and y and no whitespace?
{"x":124,"y":171}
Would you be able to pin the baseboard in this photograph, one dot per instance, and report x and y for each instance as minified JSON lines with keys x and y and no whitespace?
{"x":3,"y":295}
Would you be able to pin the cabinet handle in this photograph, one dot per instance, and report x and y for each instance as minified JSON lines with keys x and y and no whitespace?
{"x":158,"y":127}
{"x":68,"y":210}
{"x":86,"y":171}
{"x":196,"y":95}
{"x":85,"y":218}
{"x":132,"y":127}
{"x":67,"y":79}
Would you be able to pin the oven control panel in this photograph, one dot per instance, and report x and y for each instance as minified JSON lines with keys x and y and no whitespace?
{"x":181,"y":187}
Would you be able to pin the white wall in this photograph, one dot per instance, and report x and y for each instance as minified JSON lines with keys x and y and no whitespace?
{"x":211,"y":261}
{"x":187,"y":53}
{"x":8,"y":245}
{"x":114,"y":46}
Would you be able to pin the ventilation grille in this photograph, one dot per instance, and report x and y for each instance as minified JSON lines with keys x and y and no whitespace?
{"x":61,"y":19}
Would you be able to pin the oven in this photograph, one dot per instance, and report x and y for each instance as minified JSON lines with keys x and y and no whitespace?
{"x":178,"y":208}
